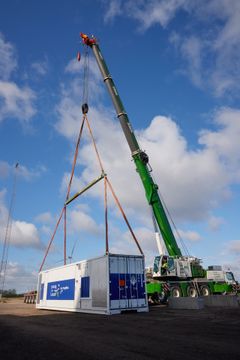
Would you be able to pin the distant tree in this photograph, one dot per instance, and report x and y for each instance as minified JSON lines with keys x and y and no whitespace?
{"x":9,"y":293}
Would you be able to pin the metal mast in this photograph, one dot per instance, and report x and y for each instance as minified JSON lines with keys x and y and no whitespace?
{"x":4,"y":258}
{"x":140,"y":157}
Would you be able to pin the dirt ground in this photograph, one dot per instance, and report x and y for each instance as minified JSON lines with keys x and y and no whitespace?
{"x":163,"y":333}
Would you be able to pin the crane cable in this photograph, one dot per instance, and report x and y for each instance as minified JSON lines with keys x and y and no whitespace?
{"x":184,"y":247}
{"x":174,"y":225}
{"x":85,"y":75}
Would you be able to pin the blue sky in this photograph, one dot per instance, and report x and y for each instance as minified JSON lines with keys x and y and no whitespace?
{"x":177,"y":69}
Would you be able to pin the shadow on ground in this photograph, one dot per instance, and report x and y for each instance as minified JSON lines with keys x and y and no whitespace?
{"x":160,"y":334}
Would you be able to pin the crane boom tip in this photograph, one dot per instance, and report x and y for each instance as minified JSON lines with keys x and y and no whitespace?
{"x":88,"y":41}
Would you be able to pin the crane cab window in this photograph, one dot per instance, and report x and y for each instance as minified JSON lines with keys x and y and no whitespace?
{"x":156,"y":264}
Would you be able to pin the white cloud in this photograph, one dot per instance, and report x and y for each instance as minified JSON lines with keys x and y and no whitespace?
{"x":25,"y":234}
{"x":114,"y":8}
{"x":193,"y":183}
{"x":16,"y":102}
{"x":31,"y":174}
{"x":192,"y":236}
{"x":147,"y":12}
{"x":40,"y":67}
{"x":22,"y":234}
{"x":123,"y":243}
{"x":215,"y":223}
{"x":22,"y":171}
{"x":4,"y":169}
{"x":78,"y":220}
{"x":8,"y":62}
{"x":46,"y":230}
{"x":191,"y":49}
{"x":224,"y":141}
{"x":234,"y":247}
{"x":20,"y":278}
{"x":69,"y":109}
{"x":77,"y":67}
{"x":44,"y":218}
{"x":212,"y":53}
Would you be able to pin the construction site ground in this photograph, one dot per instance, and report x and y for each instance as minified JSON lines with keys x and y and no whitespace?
{"x":163,"y":333}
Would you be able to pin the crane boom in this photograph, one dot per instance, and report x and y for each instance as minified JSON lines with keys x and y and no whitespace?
{"x":140,"y":157}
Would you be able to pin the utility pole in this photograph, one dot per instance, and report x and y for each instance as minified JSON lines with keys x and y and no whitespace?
{"x":6,"y":242}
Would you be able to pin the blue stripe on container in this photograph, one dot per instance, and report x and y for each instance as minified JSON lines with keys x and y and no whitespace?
{"x":61,"y":290}
{"x":85,"y":286}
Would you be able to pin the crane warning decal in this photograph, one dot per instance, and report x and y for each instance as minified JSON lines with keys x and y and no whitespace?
{"x":61,"y":290}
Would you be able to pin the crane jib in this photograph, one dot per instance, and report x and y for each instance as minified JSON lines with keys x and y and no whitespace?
{"x":140,"y":158}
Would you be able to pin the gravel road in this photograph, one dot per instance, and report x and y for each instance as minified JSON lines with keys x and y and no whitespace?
{"x":163,"y":334}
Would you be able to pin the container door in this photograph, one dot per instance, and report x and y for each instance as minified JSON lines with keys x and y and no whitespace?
{"x":136,"y":283}
{"x":127,"y":282}
{"x":118,"y":282}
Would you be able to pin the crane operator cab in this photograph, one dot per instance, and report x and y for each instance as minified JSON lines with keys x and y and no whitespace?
{"x":164,"y":266}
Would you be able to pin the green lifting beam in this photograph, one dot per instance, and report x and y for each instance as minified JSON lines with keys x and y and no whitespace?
{"x":140,"y":157}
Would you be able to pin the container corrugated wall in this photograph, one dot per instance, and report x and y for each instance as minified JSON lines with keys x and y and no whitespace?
{"x":106,"y":285}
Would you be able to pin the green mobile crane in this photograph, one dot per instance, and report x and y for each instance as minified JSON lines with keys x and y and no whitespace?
{"x":172,"y":273}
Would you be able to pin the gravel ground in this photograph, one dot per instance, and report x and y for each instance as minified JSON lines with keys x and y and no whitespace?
{"x":163,"y":333}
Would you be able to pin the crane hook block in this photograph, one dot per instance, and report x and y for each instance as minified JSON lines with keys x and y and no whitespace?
{"x":85,"y":108}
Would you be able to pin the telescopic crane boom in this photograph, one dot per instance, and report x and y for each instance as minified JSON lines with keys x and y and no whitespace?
{"x":139,"y":156}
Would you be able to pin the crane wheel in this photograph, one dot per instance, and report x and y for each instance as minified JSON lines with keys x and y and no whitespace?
{"x":205,"y":291}
{"x":192,"y":292}
{"x":176,"y":292}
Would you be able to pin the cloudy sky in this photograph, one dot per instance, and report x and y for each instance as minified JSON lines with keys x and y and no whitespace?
{"x":176,"y":66}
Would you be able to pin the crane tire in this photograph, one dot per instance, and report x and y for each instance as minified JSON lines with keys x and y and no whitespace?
{"x":205,"y":291}
{"x":176,"y":292}
{"x":192,"y":292}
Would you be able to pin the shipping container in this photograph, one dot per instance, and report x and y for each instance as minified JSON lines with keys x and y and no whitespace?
{"x":109,"y":284}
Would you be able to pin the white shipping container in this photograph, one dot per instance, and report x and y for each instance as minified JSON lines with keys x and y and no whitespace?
{"x":108,"y":284}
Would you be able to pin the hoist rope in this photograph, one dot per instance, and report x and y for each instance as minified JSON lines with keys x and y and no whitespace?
{"x":85,"y":75}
